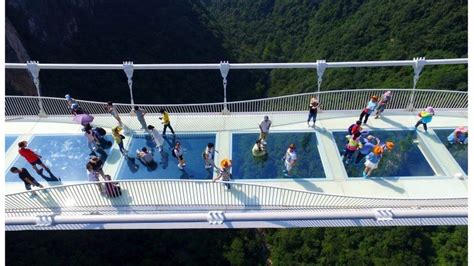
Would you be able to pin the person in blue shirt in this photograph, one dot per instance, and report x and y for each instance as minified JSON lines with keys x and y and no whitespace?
{"x":372,"y":161}
{"x":458,"y":136}
{"x":366,"y":147}
{"x":371,"y":105}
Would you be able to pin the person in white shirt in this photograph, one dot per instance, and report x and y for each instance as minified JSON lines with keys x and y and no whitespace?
{"x":157,"y":137}
{"x":264,"y":127}
{"x":208,"y":156}
{"x":290,"y":159}
{"x":178,"y":153}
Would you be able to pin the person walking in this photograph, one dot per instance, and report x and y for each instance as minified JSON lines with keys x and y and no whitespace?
{"x":157,"y":137}
{"x":112,"y":110}
{"x":178,"y":153}
{"x":372,"y":161}
{"x":91,"y":138}
{"x":386,"y":97}
{"x":371,"y":105}
{"x":366,"y":147}
{"x":32,"y":158}
{"x":119,"y":139}
{"x":425,"y":117}
{"x":140,"y":114}
{"x":290,"y":160}
{"x":224,"y":173}
{"x":166,"y":121}
{"x":264,"y":127}
{"x":313,"y":111}
{"x":208,"y":156}
{"x":26,"y":177}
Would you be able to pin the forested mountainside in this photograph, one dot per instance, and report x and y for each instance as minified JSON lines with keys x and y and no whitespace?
{"x":304,"y":246}
{"x":185,"y":31}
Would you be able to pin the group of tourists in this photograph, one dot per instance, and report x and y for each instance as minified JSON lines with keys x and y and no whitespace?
{"x":359,"y":143}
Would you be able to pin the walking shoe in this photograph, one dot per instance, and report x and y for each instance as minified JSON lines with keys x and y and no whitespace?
{"x":287,"y":175}
{"x":40,"y":171}
{"x":364,"y":174}
{"x":180,"y":167}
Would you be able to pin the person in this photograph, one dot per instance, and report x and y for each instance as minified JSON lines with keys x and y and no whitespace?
{"x":264,"y":127}
{"x":290,"y":159}
{"x":166,"y":121}
{"x":386,"y":97}
{"x":259,"y":149}
{"x":369,"y":109}
{"x":351,"y":146}
{"x":388,"y":146}
{"x":119,"y":139}
{"x":208,"y":156}
{"x":92,"y":175}
{"x":178,"y":152}
{"x":157,"y":137}
{"x":313,"y":111}
{"x":140,"y":113}
{"x":425,"y":117}
{"x":26,"y":177}
{"x":97,"y":165}
{"x":365,"y":147}
{"x":145,"y":156}
{"x":111,"y":108}
{"x":458,"y":136}
{"x":372,"y":161}
{"x":32,"y":158}
{"x":91,"y":138}
{"x":70,"y":101}
{"x":224,"y":172}
{"x":355,"y":127}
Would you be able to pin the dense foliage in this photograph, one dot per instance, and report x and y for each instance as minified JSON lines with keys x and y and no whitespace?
{"x":321,"y":246}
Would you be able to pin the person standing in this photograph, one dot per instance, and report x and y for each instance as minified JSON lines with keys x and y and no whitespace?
{"x":140,"y":114}
{"x":157,"y":137}
{"x":119,"y":139}
{"x":425,"y":117}
{"x":26,"y":177}
{"x":366,"y":147}
{"x":372,"y":161}
{"x":290,"y":160}
{"x":166,"y":121}
{"x":224,"y":172}
{"x":208,"y":156}
{"x":369,"y":109}
{"x":32,"y":158}
{"x":351,"y":146}
{"x":91,"y":138}
{"x":264,"y":127}
{"x":112,"y":110}
{"x":386,"y":97}
{"x":97,"y":165}
{"x":313,"y":111}
{"x":355,"y":128}
{"x":178,"y":153}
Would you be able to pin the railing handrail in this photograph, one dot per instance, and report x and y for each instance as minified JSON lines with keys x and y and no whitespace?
{"x":239,"y":65}
{"x":242,"y":101}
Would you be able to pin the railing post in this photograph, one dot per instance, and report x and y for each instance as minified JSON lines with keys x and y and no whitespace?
{"x":34,"y":70}
{"x":128,"y":68}
{"x":224,"y":67}
{"x":418,"y":64}
{"x":320,"y":67}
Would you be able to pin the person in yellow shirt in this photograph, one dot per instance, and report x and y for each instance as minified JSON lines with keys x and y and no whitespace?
{"x":166,"y":121}
{"x":119,"y":139}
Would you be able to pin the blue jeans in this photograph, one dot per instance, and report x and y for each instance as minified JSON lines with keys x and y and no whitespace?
{"x":313,"y":116}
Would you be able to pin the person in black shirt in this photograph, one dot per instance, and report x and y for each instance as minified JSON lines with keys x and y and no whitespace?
{"x":25,"y":176}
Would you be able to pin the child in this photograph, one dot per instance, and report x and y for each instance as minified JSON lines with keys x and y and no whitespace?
{"x":157,"y":138}
{"x":313,"y":111}
{"x":386,"y":97}
{"x":224,"y":172}
{"x":110,"y":108}
{"x":166,"y":121}
{"x":290,"y":160}
{"x":369,"y":109}
{"x":372,"y":161}
{"x":119,"y":139}
{"x":351,"y":146}
{"x":458,"y":136}
{"x":178,"y":152}
{"x":25,"y":176}
{"x":426,"y":117}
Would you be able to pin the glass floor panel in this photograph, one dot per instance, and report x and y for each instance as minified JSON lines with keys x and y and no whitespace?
{"x":245,"y":166}
{"x":458,"y":151}
{"x":406,"y":159}
{"x":9,"y":141}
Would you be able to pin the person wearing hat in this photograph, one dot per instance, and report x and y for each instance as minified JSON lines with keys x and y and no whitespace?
{"x":365,"y":147}
{"x":388,"y":146}
{"x":371,"y":105}
{"x":70,"y":101}
{"x":372,"y":161}
{"x":264,"y":127}
{"x":425,"y":117}
{"x":119,"y":139}
{"x":224,"y":172}
{"x":458,"y":136}
{"x":290,"y":159}
{"x":386,"y":97}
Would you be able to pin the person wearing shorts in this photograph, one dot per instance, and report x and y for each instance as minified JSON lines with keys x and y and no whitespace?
{"x":178,"y":154}
{"x":264,"y":127}
{"x":31,"y":157}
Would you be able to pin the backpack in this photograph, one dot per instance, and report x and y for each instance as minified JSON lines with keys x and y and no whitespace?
{"x":100,"y":131}
{"x":350,"y":128}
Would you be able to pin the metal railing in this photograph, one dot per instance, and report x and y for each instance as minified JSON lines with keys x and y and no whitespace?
{"x":24,"y":106}
{"x":194,"y":194}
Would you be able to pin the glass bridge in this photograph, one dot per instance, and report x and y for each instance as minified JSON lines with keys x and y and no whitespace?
{"x":422,"y":181}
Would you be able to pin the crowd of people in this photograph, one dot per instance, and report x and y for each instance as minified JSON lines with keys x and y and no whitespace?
{"x":360,"y":144}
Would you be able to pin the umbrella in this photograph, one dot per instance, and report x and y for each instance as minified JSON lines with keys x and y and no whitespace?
{"x":83,"y":119}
